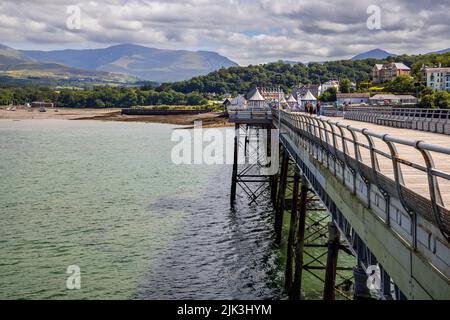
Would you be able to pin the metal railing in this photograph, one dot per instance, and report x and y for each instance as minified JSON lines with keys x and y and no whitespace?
{"x":345,"y":144}
{"x":432,"y":120}
{"x":237,"y":114}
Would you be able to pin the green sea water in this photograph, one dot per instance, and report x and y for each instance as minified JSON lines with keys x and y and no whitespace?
{"x":106,"y":197}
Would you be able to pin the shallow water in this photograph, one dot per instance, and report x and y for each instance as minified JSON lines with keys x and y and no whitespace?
{"x":105,"y":196}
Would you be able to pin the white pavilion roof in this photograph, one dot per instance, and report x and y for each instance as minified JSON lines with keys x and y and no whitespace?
{"x":257,"y":96}
{"x":291,"y":99}
{"x":309,"y":97}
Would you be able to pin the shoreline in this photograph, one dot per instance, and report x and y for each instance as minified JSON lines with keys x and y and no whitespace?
{"x":210,"y":119}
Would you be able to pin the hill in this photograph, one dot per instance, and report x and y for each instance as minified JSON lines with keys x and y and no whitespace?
{"x":138,"y":61}
{"x":16,"y":67}
{"x":242,"y":79}
{"x":373,"y":54}
{"x":442,"y":51}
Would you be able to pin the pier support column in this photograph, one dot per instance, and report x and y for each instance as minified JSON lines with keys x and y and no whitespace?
{"x":281,"y":197}
{"x":295,"y":292}
{"x":292,"y":232}
{"x":235,"y":168}
{"x":332,"y":258}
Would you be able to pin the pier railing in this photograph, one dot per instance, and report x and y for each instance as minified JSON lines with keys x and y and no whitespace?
{"x":247,"y":115}
{"x":380,"y":160}
{"x":432,"y":120}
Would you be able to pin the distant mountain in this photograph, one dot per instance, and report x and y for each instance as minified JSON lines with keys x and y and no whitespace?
{"x":142,"y":62}
{"x":373,"y":54}
{"x":11,"y":56}
{"x":16,"y":65}
{"x":442,"y":51}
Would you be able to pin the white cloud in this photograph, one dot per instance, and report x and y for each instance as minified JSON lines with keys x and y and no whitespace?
{"x":248,"y":31}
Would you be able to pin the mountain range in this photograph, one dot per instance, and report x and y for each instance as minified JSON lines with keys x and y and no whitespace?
{"x":125,"y":63}
{"x":138,"y":61}
{"x":382,"y":54}
{"x":373,"y":54}
{"x":17,"y":67}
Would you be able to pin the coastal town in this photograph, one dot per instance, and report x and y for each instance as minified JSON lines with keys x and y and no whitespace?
{"x":309,"y":97}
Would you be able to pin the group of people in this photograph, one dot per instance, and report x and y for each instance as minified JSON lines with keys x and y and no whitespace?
{"x":309,"y":108}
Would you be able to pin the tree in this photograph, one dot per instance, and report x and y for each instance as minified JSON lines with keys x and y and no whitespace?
{"x":329,"y":95}
{"x":345,"y":86}
{"x":402,"y":84}
{"x":427,"y":101}
{"x":442,"y":100}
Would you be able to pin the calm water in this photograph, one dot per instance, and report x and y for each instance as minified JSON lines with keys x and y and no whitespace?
{"x":104,"y":196}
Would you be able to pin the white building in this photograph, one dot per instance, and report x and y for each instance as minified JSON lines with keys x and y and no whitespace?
{"x":352,"y":98}
{"x":393,"y":99}
{"x":438,"y":79}
{"x":257,"y":100}
{"x":308,"y":98}
{"x":329,"y":84}
{"x":239,"y":102}
{"x":292,"y":102}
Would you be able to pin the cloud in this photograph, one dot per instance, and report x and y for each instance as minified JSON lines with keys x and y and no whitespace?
{"x":247,"y":31}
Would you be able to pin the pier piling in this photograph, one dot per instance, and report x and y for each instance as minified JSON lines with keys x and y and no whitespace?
{"x":332,"y":259}
{"x":292,"y":232}
{"x":279,"y":212}
{"x":295,"y":292}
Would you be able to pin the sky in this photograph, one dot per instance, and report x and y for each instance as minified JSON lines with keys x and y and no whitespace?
{"x":246,"y":31}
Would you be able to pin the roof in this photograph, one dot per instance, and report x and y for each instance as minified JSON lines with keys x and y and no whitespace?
{"x":302,"y":90}
{"x":429,"y":70}
{"x":352,"y":95}
{"x":392,"y":97}
{"x":378,"y":66}
{"x":309,"y":97}
{"x":257,"y":96}
{"x":331,"y":83}
{"x":401,"y":66}
{"x":291,"y":99}
{"x":238,"y":100}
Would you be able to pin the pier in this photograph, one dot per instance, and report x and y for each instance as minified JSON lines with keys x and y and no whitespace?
{"x":383,"y":186}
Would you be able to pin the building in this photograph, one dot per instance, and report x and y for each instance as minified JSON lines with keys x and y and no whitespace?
{"x":347,"y":99}
{"x":40,"y":104}
{"x":376,"y":73}
{"x":300,"y":91}
{"x":388,"y":72}
{"x":392,"y":99}
{"x":328,"y":85}
{"x":238,"y":102}
{"x":273,"y":94}
{"x":292,"y":102}
{"x":307,"y":98}
{"x":437,"y":79}
{"x":257,"y":100}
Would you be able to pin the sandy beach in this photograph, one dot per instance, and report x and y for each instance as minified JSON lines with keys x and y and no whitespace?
{"x":212,"y":119}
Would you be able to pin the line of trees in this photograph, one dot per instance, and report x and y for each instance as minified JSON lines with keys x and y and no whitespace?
{"x":99,"y":97}
{"x":241,"y":79}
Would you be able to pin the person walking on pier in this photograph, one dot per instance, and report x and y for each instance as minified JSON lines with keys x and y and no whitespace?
{"x":311,"y":108}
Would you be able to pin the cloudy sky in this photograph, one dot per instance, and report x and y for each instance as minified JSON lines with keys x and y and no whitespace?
{"x":247,"y":31}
